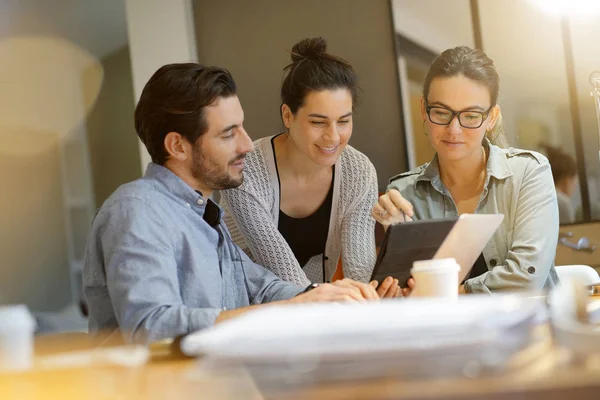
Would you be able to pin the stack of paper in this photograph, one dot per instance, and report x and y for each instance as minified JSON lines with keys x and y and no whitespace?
{"x":331,"y":341}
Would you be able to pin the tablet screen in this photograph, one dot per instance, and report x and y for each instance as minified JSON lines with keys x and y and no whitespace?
{"x":409,"y":242}
{"x":462,"y":238}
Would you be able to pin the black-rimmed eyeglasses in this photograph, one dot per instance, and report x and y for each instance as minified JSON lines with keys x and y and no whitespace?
{"x":467,"y":119}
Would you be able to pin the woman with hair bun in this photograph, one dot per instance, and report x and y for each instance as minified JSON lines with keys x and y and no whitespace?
{"x":307,"y":194}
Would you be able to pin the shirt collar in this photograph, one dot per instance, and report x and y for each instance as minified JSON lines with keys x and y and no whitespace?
{"x":184,"y":193}
{"x":431,"y":173}
{"x":497,"y":165}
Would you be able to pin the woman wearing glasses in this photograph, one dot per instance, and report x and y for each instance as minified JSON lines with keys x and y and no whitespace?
{"x":472,"y":172}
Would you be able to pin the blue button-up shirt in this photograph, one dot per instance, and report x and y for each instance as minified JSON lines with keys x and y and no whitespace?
{"x":160,"y":262}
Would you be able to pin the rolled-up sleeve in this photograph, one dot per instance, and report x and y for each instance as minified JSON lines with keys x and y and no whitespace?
{"x":535,"y":236}
{"x":141,"y":275}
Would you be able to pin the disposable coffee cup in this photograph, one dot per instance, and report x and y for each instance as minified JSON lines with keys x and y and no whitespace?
{"x":436,"y":278}
{"x":17,"y":327}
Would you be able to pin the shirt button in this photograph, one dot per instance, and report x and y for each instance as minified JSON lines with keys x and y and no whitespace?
{"x":531,"y":270}
{"x":224,"y":308}
{"x":200,"y":202}
{"x":188,"y":204}
{"x":493,"y":262}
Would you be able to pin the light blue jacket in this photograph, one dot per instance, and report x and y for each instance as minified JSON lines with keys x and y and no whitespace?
{"x":519,"y":185}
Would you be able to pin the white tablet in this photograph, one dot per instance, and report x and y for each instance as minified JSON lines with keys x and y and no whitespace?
{"x":466,"y":240}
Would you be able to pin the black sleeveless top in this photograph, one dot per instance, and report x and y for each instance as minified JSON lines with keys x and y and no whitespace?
{"x":306,"y":236}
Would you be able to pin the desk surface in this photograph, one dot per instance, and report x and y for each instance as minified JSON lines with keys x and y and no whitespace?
{"x":541,"y":373}
{"x":164,"y":376}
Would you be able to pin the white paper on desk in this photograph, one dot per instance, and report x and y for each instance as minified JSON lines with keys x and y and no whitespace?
{"x":404,"y":325}
{"x":125,"y":356}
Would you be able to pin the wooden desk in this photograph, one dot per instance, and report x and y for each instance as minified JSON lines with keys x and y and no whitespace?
{"x":545,"y":376}
{"x":164,"y":377}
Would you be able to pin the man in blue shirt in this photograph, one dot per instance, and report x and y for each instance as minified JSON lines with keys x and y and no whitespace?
{"x":159,"y":261}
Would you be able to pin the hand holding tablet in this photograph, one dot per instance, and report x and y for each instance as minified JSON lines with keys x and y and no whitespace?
{"x":461,"y":238}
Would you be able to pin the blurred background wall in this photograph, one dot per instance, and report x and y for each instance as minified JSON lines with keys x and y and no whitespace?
{"x":253,"y":39}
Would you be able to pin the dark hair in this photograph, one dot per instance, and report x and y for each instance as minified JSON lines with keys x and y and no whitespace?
{"x":563,"y":165}
{"x":312,"y":68}
{"x":174,"y":99}
{"x":475,"y":65}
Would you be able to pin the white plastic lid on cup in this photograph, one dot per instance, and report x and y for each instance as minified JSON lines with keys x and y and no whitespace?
{"x":436,"y":278}
{"x":17,"y":326}
{"x":439,"y":265}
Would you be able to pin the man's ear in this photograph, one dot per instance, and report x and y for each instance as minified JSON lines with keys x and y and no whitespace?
{"x":177,"y":146}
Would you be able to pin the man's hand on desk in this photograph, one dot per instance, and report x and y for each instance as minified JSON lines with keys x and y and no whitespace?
{"x":350,"y":290}
{"x":342,"y":290}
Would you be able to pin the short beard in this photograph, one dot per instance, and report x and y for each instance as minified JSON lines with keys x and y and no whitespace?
{"x":208,"y":172}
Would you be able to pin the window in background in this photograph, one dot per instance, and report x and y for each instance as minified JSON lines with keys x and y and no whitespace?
{"x":534,"y":94}
{"x":422,"y":32}
{"x":585,"y":31}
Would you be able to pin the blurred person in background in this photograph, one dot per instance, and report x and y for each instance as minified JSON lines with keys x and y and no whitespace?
{"x":307,"y":194}
{"x":159,"y":261}
{"x":472,"y":172}
{"x":564,"y":172}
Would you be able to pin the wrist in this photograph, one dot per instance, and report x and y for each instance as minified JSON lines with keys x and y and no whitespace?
{"x":310,"y":287}
{"x":299,"y":296}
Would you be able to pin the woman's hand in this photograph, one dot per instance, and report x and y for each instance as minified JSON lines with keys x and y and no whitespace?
{"x":392,"y":209}
{"x":389,"y":288}
{"x":407,"y":290}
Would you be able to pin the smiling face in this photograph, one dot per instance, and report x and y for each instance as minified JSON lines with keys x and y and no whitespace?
{"x":453,"y":142}
{"x":322,"y":126}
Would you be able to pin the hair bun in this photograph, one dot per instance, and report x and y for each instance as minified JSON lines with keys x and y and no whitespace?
{"x":309,"y":48}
